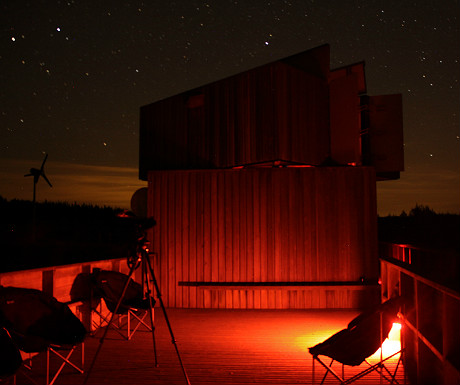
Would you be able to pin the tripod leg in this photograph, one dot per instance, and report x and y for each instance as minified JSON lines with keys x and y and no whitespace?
{"x":101,"y":341}
{"x":149,"y":293}
{"x":173,"y":340}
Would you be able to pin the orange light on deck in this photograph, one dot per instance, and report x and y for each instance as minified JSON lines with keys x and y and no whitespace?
{"x":329,"y":323}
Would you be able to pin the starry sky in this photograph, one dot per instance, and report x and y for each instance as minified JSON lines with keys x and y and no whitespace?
{"x":73,"y":75}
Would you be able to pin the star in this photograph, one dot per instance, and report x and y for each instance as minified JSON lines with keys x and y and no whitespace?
{"x":176,"y":47}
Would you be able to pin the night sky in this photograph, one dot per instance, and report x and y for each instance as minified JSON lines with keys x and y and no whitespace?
{"x":73,"y":75}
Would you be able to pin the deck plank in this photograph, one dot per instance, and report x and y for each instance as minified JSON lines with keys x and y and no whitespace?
{"x":217,"y":347}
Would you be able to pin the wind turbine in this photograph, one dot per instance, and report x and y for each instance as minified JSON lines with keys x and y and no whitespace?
{"x":37,"y":173}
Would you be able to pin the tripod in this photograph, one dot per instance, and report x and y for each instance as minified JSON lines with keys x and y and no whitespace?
{"x":141,"y":257}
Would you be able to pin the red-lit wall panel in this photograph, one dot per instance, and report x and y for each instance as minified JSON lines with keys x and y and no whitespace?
{"x":263,"y":225}
{"x":345,"y":120}
{"x":386,"y":133}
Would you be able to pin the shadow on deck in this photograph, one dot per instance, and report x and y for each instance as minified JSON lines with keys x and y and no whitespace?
{"x":217,"y":347}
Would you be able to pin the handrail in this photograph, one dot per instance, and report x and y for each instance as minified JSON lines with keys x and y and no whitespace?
{"x":431,"y":315}
{"x":441,"y":266}
{"x":426,"y":281}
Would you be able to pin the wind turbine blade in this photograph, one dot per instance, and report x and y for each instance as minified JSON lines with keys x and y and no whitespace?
{"x":44,"y":177}
{"x":44,"y":160}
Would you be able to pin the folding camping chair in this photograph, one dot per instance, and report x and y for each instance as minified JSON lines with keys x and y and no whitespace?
{"x":63,"y":356}
{"x":35,"y":322}
{"x":362,"y":338}
{"x":126,"y":324}
{"x":108,"y":285}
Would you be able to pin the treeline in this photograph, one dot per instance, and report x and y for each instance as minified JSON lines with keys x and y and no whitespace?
{"x":422,"y":227}
{"x":60,"y":233}
{"x":64,"y":233}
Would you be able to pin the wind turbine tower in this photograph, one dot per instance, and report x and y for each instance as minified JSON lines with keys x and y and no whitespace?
{"x":37,"y":173}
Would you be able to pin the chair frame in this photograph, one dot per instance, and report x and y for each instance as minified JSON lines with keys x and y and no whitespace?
{"x":131,"y":315}
{"x":53,"y":351}
{"x":379,"y":366}
{"x":372,"y":367}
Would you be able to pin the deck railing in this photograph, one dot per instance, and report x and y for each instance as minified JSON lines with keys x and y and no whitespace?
{"x":431,"y":316}
{"x":431,"y":333}
{"x":57,"y":281}
{"x":438,"y":265}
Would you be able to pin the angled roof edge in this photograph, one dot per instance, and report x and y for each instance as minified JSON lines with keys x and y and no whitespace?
{"x":315,"y":61}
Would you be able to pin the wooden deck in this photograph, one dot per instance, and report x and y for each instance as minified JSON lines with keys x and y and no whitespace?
{"x":216,"y":346}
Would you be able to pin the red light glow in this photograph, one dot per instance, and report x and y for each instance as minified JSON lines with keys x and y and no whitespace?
{"x":391,"y":345}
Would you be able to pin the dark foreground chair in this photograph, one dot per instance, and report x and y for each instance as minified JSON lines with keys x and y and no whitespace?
{"x":10,"y":356}
{"x":35,"y":322}
{"x":108,"y":285}
{"x":362,"y":338}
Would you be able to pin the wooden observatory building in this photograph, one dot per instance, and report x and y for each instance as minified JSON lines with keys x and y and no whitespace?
{"x":263,"y":186}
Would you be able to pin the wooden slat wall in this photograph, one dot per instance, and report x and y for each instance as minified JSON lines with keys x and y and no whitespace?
{"x":272,"y":112}
{"x":345,"y":121}
{"x":263,"y":225}
{"x":386,"y":133}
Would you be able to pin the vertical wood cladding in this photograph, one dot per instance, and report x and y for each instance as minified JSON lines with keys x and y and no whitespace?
{"x":263,"y":225}
{"x":273,"y":112}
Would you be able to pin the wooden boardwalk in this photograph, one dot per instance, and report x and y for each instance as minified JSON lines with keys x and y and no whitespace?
{"x":216,"y":346}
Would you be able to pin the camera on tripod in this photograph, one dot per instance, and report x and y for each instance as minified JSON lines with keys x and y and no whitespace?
{"x":138,"y":225}
{"x":142,"y":223}
{"x":140,"y":256}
